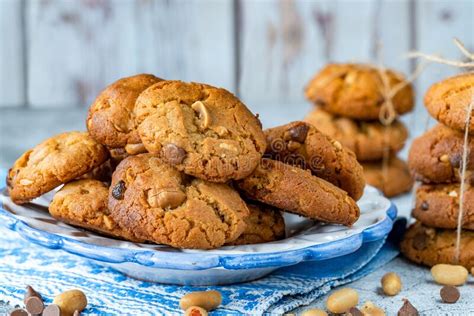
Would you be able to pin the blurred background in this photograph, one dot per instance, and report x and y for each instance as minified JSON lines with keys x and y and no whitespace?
{"x":56,"y":55}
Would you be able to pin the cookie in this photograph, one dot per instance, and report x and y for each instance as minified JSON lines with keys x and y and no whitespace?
{"x":154,"y":201}
{"x":295,"y":190}
{"x":368,"y":140}
{"x":430,"y":246}
{"x":55,"y":161}
{"x":448,"y":100}
{"x":83,"y":203}
{"x":392,"y":181}
{"x":264,"y":224}
{"x":438,"y":206}
{"x":436,"y":156}
{"x":302,"y":145}
{"x":203,"y":131}
{"x":110,"y":119}
{"x":355,"y":91}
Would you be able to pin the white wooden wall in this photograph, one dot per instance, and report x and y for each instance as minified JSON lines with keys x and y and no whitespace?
{"x":60,"y":53}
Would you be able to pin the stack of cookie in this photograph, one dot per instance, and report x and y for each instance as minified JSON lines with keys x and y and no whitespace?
{"x":348,"y":99}
{"x":435,"y":159}
{"x":187,"y":165}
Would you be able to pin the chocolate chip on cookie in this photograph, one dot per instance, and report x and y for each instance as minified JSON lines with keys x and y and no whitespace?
{"x":430,"y":246}
{"x":295,"y":190}
{"x":55,"y":161}
{"x":110,"y":120}
{"x":438,"y":206}
{"x":355,"y":91}
{"x":368,"y":140}
{"x":84,"y":203}
{"x":435,"y":157}
{"x":448,"y":100}
{"x":301,"y":144}
{"x":203,"y":131}
{"x":392,"y":179}
{"x":163,"y":205}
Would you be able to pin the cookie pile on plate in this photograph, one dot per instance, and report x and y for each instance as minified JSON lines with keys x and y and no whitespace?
{"x":187,"y":165}
{"x":435,"y":159}
{"x":348,"y":99}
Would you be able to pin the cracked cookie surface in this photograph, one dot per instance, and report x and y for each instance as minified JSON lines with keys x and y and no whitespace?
{"x":438,"y":206}
{"x":436,"y":156}
{"x":154,"y":201}
{"x":201,"y":130}
{"x":448,"y":100}
{"x":368,"y":140}
{"x":430,"y":246}
{"x":302,"y":145}
{"x":55,"y":161}
{"x":296,"y":190}
{"x":392,"y":181}
{"x":83,"y":203}
{"x":110,"y":119}
{"x":355,"y":91}
{"x":264,"y":224}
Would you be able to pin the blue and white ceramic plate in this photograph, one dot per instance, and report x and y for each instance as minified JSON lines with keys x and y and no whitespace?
{"x":306,"y":241}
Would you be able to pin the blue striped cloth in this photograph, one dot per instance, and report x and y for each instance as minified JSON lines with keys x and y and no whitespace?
{"x":112,"y":293}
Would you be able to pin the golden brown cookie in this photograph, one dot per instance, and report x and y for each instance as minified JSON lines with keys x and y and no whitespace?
{"x":83,"y":203}
{"x":355,"y":91}
{"x":295,"y":190}
{"x":368,"y":140}
{"x":436,"y":156}
{"x":438,"y":206}
{"x":392,"y":181}
{"x":430,"y":246}
{"x":153,"y":201}
{"x":110,"y":119}
{"x":448,"y":100}
{"x":264,"y":224}
{"x":55,"y":161}
{"x":301,"y":144}
{"x":201,"y":130}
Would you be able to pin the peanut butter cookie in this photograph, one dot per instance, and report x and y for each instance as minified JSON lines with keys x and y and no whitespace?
{"x":448,"y":101}
{"x":438,"y":206}
{"x":110,"y":120}
{"x":392,"y":181}
{"x":264,"y":224}
{"x":355,"y":91}
{"x":302,"y":145}
{"x":201,"y":130}
{"x":436,"y":156}
{"x":83,"y":203}
{"x":295,"y":190}
{"x":55,"y":161}
{"x":154,"y":201}
{"x":368,"y":140}
{"x":430,"y":246}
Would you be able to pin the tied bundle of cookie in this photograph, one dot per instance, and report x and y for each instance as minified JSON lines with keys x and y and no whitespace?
{"x":348,"y":101}
{"x":187,"y":165}
{"x":436,"y":160}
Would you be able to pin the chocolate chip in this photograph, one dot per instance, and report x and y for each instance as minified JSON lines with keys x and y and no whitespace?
{"x":407,"y":309}
{"x":33,"y":301}
{"x":119,"y":190}
{"x":52,"y":310}
{"x":173,"y":154}
{"x":298,"y":133}
{"x":449,"y":294}
{"x":455,"y":160}
{"x":354,"y":311}
{"x":18,"y":312}
{"x":420,"y":241}
{"x":425,"y":206}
